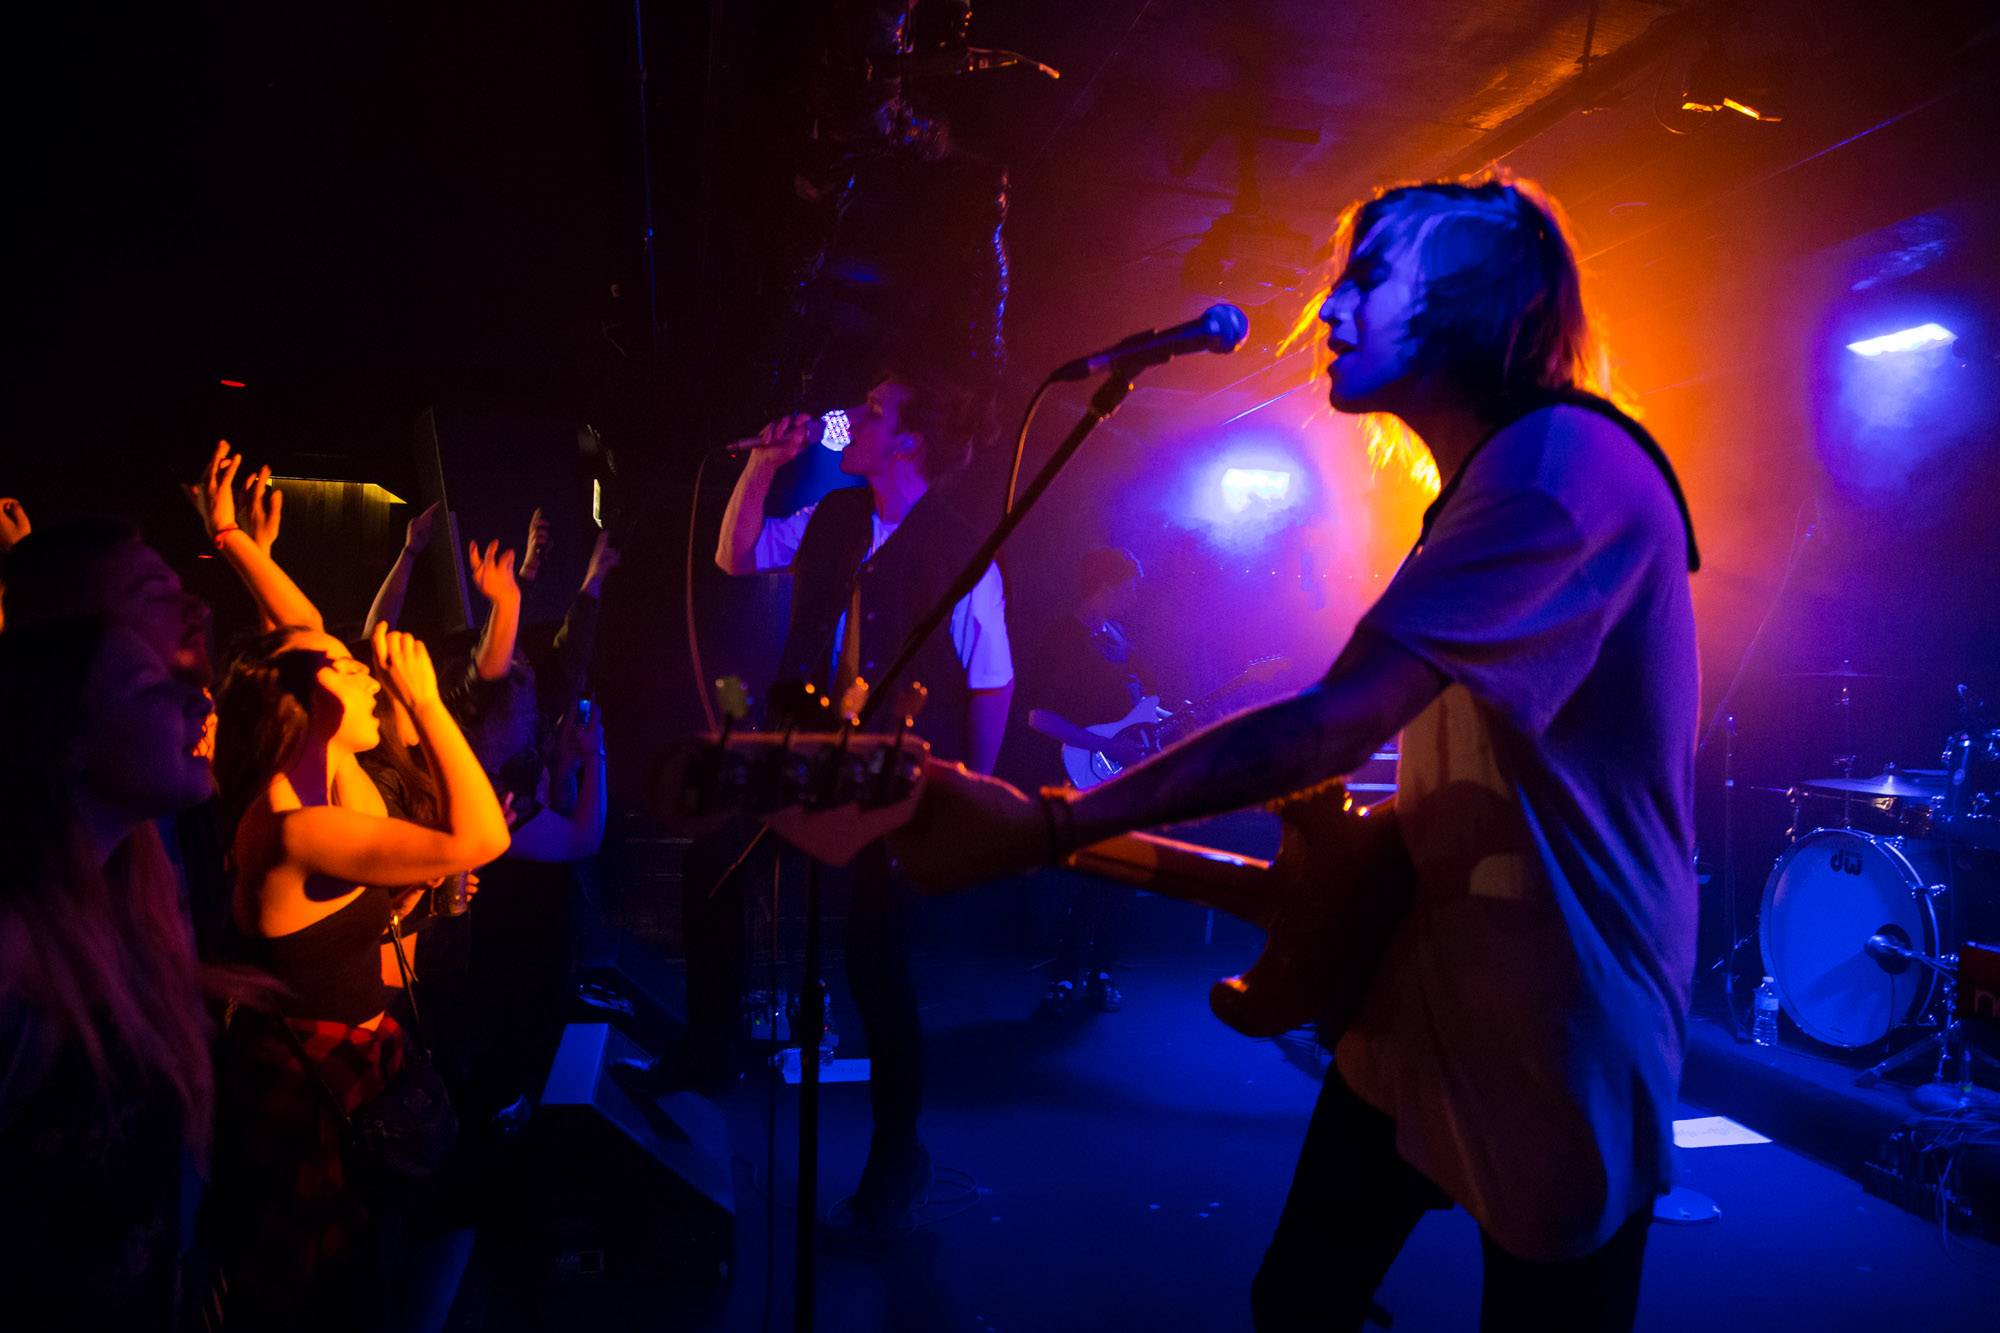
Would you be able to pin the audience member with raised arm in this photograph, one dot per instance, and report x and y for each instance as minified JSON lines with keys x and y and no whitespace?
{"x":243,"y":529}
{"x":387,"y":608}
{"x":301,"y":1238}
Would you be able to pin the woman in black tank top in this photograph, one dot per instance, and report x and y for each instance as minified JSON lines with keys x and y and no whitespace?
{"x":310,"y":851}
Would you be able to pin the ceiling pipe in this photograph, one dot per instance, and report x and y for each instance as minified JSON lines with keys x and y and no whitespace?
{"x":1600,"y":74}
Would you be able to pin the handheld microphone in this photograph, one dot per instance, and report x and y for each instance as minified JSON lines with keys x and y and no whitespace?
{"x":829,"y":429}
{"x":1221,"y":328}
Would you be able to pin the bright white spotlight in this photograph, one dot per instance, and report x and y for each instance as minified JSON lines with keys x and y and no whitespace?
{"x":1241,"y":485}
{"x":1905,"y":340}
{"x":836,"y":435}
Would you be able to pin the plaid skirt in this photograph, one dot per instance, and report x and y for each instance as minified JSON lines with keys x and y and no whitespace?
{"x":289,"y":1215}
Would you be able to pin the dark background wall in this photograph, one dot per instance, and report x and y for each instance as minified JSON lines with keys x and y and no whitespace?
{"x":365,"y":210}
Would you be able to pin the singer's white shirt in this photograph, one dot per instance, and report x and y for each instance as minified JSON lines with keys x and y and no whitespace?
{"x":1525,"y":1031}
{"x":978,"y":619}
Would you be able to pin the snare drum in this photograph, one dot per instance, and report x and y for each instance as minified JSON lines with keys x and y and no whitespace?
{"x":1826,"y":895}
{"x":1907,"y":803}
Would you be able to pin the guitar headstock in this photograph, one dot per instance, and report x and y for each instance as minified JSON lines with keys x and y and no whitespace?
{"x":1265,"y":669}
{"x":761,"y":772}
{"x":831,"y":793}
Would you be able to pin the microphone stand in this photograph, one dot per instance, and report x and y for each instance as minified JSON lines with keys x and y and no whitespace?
{"x":1110,"y":394}
{"x":1103,"y":403}
{"x":812,"y":1014}
{"x":1729,"y":903}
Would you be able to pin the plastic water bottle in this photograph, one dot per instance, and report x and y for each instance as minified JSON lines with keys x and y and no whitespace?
{"x":1764,"y":1031}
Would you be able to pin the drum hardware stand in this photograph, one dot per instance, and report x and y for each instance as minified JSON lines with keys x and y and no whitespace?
{"x":1725,"y":712}
{"x":1730,"y":925}
{"x":1950,"y":1088}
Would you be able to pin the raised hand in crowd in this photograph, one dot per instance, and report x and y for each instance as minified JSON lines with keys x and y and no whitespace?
{"x":417,"y":532}
{"x":387,"y":608}
{"x":604,"y":558}
{"x":404,"y":665}
{"x":262,"y":508}
{"x":541,"y":534}
{"x":493,"y":572}
{"x":493,"y":576}
{"x":247,"y":546}
{"x":14,"y":523}
{"x":552,"y":835}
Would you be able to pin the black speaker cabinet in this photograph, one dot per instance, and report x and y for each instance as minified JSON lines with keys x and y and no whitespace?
{"x":629,"y":984}
{"x":634,"y":1187}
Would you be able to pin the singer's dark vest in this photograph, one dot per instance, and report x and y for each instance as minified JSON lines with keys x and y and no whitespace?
{"x":905,"y":578}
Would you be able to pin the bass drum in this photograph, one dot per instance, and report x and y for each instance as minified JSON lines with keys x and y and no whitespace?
{"x":1832,"y":890}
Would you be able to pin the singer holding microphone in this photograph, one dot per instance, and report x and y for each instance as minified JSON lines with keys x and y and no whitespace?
{"x":866,"y":563}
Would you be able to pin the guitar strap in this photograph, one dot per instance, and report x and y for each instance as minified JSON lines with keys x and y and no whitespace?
{"x":1590,"y":402}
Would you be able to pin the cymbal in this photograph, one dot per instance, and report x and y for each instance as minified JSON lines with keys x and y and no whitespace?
{"x":1900,"y":785}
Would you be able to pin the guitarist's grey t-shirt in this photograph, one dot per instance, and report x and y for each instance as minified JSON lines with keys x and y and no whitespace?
{"x":1526,"y":1029}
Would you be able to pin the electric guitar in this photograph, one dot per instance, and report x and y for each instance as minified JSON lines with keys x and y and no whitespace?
{"x":1329,"y":902}
{"x":1147,"y":729}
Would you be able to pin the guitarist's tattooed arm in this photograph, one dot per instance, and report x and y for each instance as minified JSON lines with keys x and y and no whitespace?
{"x":969,"y":828}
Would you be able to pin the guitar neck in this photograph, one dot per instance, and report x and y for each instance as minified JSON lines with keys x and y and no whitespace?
{"x":1236,"y":884}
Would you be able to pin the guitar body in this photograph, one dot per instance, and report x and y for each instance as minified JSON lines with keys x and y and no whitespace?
{"x":1329,"y":903}
{"x":1153,"y":728}
{"x":1087,"y":768}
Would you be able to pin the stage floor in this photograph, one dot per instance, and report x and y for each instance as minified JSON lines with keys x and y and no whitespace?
{"x":1125,"y":1171}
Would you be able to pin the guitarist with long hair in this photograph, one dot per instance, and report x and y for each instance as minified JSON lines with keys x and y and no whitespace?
{"x":1518,"y":1050}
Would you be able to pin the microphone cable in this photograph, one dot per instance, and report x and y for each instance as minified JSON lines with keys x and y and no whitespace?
{"x":1021,"y":444}
{"x":687,"y":593}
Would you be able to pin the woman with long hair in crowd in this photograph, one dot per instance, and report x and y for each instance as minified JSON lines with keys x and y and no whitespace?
{"x":106,"y":1088}
{"x":304,"y":1237}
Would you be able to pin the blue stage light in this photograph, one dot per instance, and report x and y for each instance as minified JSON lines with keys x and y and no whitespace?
{"x":1905,"y":340}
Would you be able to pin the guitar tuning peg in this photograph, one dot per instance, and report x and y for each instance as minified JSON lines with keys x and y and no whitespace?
{"x":732,"y":699}
{"x":853,"y":701}
{"x":912,"y":700}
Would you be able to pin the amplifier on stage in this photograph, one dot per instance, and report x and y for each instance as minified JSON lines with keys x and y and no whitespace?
{"x":1979,"y":984}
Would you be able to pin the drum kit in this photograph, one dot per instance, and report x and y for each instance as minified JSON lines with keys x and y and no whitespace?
{"x":1884,"y":881}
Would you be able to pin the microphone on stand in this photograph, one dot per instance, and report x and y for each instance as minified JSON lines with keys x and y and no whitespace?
{"x":829,"y":429}
{"x":1891,"y":955}
{"x":1221,"y":328}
